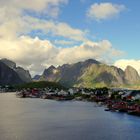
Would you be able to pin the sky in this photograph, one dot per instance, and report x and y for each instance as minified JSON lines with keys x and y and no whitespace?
{"x":39,"y":33}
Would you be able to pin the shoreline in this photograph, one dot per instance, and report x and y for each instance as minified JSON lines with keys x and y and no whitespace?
{"x":111,"y":102}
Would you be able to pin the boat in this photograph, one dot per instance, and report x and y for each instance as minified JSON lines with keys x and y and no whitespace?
{"x":107,"y":109}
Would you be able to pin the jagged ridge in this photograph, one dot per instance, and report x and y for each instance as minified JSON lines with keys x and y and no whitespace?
{"x":91,"y":73}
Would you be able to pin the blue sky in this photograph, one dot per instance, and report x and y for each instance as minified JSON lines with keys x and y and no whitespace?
{"x":36,"y":34}
{"x":123,"y":31}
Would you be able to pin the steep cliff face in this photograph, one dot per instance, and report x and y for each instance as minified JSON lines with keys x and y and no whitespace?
{"x":8,"y":76}
{"x":132,"y":75}
{"x":9,"y":63}
{"x":67,"y":74}
{"x":101,"y":75}
{"x":22,"y":73}
{"x":50,"y":74}
{"x":91,"y":73}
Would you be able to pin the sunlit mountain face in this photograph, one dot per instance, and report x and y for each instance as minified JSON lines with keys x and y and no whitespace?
{"x":37,"y":34}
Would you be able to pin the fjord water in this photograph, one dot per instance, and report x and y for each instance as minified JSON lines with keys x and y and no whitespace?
{"x":38,"y":119}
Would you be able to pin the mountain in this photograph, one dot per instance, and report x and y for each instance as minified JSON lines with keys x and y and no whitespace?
{"x":22,"y":73}
{"x":66,"y":74}
{"x":50,"y":74}
{"x":8,"y":76}
{"x":36,"y":77}
{"x":102,"y":75}
{"x":132,"y":75}
{"x":90,"y":73}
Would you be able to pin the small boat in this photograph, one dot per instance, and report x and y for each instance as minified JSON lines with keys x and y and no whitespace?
{"x":107,"y":109}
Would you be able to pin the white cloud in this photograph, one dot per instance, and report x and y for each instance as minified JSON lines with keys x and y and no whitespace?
{"x":104,"y":11}
{"x":101,"y":51}
{"x":124,"y":63}
{"x":36,"y":54}
{"x":49,"y":7}
{"x":13,"y":24}
{"x":58,"y":29}
{"x":14,"y":21}
{"x":31,"y":53}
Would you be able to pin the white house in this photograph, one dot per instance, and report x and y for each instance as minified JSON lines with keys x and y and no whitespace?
{"x":62,"y":92}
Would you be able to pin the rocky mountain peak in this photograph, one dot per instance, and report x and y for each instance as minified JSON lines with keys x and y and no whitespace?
{"x":22,"y":73}
{"x":9,"y":63}
{"x":91,"y":61}
{"x":90,"y":73}
{"x":49,"y":70}
{"x":8,"y":76}
{"x":51,"y":67}
{"x":132,"y":75}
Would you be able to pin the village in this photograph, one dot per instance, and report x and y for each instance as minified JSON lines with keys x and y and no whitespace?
{"x":113,"y":99}
{"x":118,"y":100}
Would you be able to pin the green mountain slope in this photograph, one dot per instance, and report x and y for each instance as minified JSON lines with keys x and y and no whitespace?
{"x":91,"y":73}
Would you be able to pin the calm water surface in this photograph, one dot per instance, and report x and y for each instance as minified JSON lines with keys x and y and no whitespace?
{"x":38,"y":119}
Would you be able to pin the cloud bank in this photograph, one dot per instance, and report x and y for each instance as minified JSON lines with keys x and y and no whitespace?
{"x":19,"y":19}
{"x":36,"y":54}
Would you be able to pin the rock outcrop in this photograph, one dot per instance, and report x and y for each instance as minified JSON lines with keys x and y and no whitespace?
{"x":8,"y":76}
{"x":22,"y":73}
{"x":132,"y":75}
